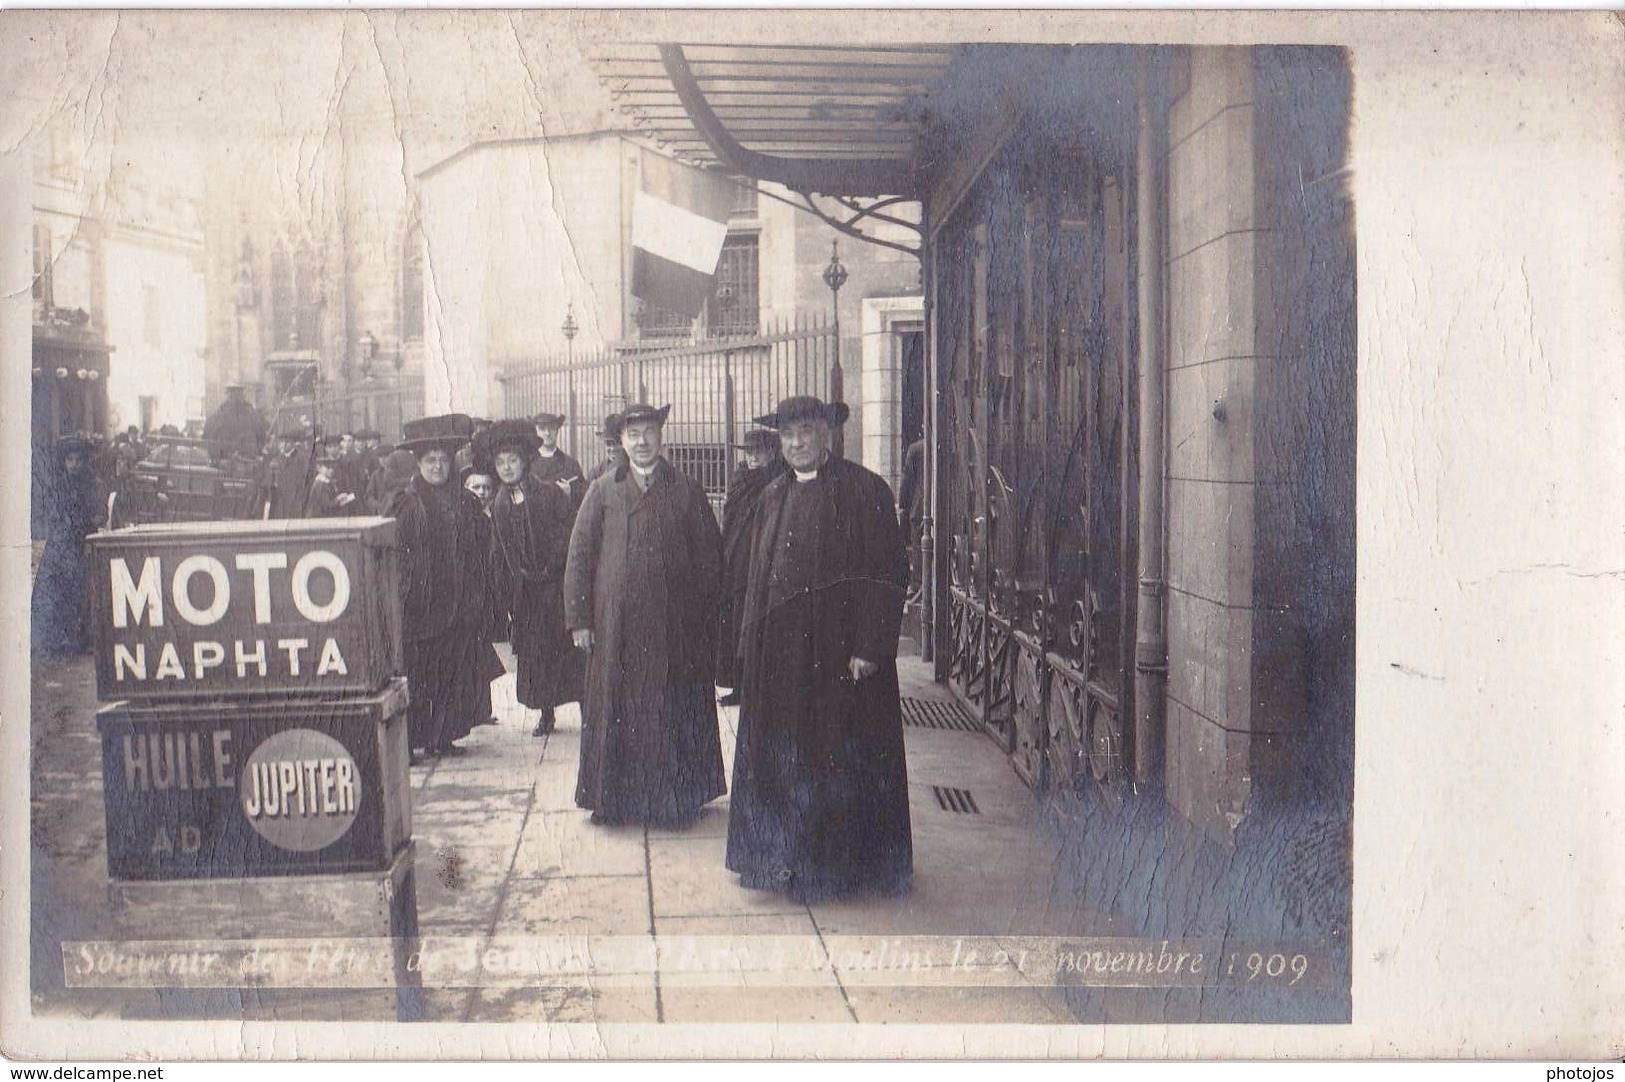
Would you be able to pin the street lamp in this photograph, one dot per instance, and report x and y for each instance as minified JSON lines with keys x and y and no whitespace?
{"x":570,"y":329}
{"x":835,"y":277}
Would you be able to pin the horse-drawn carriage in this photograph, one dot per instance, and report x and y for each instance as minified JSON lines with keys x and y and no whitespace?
{"x":190,"y":480}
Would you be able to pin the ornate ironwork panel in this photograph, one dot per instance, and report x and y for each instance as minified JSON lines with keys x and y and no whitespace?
{"x":1029,"y":700}
{"x":967,"y":665}
{"x":1000,"y":678}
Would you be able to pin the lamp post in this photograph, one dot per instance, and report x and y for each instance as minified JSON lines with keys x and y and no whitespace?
{"x":570,"y":329}
{"x":835,"y":277}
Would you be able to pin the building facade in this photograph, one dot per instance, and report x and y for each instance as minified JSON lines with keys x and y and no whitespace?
{"x":519,"y":234}
{"x":118,"y":298}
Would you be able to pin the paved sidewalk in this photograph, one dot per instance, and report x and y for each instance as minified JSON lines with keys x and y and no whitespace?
{"x":503,"y":851}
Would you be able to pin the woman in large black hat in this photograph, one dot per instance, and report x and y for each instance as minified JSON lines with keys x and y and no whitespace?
{"x":640,"y":595}
{"x":532,"y":522}
{"x":73,"y":510}
{"x":445,"y":553}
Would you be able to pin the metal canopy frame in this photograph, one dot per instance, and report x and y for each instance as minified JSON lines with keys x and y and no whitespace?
{"x":829,"y":120}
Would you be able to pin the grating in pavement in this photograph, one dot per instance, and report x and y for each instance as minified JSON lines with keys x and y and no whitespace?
{"x":955,"y":800}
{"x":935,"y":714}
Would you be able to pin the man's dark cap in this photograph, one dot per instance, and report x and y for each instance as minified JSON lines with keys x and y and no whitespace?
{"x":759,"y":439}
{"x":805,"y":407}
{"x":643,"y":413}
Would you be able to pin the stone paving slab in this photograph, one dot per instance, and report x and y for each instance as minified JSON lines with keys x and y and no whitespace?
{"x":576,"y":905}
{"x":689,"y":880}
{"x":567,"y":1003}
{"x":460,"y":888}
{"x":712,"y":823}
{"x":565,"y":842}
{"x":798,"y":922}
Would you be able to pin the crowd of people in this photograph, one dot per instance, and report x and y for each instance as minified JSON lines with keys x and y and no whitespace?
{"x":620,"y":590}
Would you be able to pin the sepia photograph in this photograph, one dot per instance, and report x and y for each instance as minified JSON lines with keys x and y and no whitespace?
{"x":604,"y":518}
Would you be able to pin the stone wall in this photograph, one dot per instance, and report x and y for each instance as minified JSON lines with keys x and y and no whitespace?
{"x":1260,"y":364}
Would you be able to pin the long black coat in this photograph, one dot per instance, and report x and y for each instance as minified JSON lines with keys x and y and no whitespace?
{"x":532,"y":543}
{"x":73,"y":511}
{"x":560,"y":467}
{"x":236,"y":425}
{"x":644,"y":574}
{"x":291,"y":475}
{"x":738,"y":518}
{"x":445,"y":545}
{"x":820,"y":792}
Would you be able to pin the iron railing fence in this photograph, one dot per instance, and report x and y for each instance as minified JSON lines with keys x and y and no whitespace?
{"x":385,"y":408}
{"x":716,"y":388}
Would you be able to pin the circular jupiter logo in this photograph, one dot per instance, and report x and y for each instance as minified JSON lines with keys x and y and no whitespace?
{"x":300,"y":789}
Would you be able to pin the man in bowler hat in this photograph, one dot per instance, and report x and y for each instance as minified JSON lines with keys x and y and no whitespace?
{"x":640,"y":596}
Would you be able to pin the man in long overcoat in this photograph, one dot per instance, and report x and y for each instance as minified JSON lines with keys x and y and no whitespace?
{"x":762,"y":464}
{"x":820,"y":794}
{"x":640,"y":594}
{"x":532,"y":521}
{"x":236,"y":426}
{"x":291,"y":472}
{"x":444,"y":544}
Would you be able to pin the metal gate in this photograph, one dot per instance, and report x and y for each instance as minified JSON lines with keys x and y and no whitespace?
{"x":716,"y":387}
{"x":1036,"y":462}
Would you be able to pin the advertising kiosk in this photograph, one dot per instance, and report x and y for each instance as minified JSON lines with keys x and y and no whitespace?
{"x":254,"y":736}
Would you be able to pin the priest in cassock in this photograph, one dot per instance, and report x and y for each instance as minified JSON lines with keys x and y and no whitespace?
{"x":640,"y":595}
{"x":444,"y":543}
{"x":820,"y":793}
{"x":762,"y":463}
{"x":532,"y":521}
{"x":552,"y":466}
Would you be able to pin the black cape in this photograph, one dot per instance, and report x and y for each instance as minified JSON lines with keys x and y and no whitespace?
{"x":532,"y":542}
{"x":73,"y":511}
{"x":820,"y":791}
{"x":738,"y":517}
{"x":560,"y":467}
{"x":444,"y":565}
{"x":644,"y":574}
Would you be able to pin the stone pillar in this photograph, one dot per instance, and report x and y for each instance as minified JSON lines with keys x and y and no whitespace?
{"x":1233,"y":694}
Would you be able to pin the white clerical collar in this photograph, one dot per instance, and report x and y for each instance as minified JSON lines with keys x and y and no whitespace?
{"x":643,"y":471}
{"x":545,"y":453}
{"x":812,"y":474}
